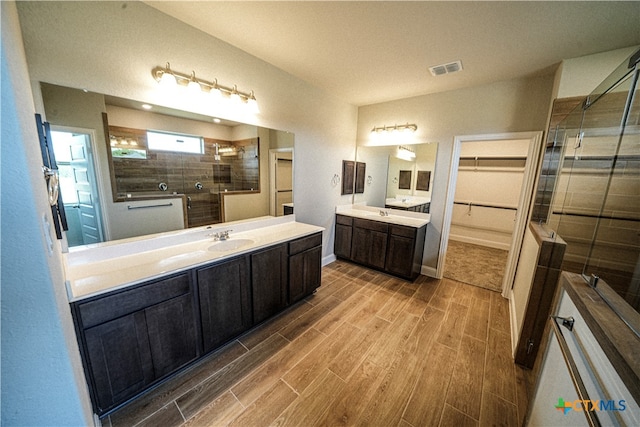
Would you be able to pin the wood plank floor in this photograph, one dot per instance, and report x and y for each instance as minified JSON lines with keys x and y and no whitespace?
{"x":367,"y":349}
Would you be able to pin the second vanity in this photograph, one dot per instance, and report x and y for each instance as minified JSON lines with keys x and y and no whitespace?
{"x":146,"y":308}
{"x":385,"y":239}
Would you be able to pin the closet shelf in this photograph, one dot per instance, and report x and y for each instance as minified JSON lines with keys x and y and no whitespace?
{"x":493,"y":158}
{"x":493,"y":163}
{"x":485,"y":205}
{"x":491,"y":169}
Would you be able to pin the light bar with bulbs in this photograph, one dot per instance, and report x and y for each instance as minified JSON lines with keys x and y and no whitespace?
{"x":168,"y":77}
{"x":395,"y":128}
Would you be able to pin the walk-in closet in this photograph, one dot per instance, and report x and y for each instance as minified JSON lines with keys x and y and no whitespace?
{"x":489,"y":184}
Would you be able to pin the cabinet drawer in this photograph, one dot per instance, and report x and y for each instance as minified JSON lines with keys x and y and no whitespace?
{"x":111,"y":307}
{"x":305,"y":243}
{"x":371,"y":225}
{"x":344,"y":220}
{"x":399,"y":230}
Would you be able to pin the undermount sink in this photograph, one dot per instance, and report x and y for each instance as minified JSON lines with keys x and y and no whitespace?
{"x":178,"y":259}
{"x":230,"y":245}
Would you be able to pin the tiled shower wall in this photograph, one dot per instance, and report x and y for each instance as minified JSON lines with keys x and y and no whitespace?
{"x":591,"y":196}
{"x":181,"y":172}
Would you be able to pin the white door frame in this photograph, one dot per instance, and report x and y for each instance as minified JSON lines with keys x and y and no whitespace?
{"x":96,"y":171}
{"x":272,"y":175}
{"x":524,"y":203}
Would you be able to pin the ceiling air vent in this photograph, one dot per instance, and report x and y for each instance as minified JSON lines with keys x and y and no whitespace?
{"x":451,"y":67}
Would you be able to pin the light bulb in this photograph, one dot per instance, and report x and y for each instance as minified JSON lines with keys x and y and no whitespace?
{"x":194,"y":87}
{"x":168,"y":80}
{"x":252,"y":104}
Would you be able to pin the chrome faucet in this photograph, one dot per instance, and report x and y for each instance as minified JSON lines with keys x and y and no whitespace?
{"x":221,"y":235}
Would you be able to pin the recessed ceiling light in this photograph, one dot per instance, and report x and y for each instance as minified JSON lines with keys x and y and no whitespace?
{"x":147,"y":106}
{"x":451,"y":67}
{"x":216,"y":120}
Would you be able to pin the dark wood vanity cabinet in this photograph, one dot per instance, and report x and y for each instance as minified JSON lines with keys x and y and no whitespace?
{"x":404,"y":255}
{"x":369,"y":242}
{"x":422,"y":208}
{"x":305,"y":264}
{"x":269,"y":281}
{"x":343,"y":236}
{"x":394,"y":249}
{"x":131,"y":339}
{"x":225,"y":301}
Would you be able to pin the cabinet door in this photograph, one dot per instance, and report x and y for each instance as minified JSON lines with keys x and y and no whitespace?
{"x":172,"y":334}
{"x":269,"y":281}
{"x":304,"y":273}
{"x":120,"y":359}
{"x":225,"y":303}
{"x":369,"y":247}
{"x":400,"y":255}
{"x":342,"y":243}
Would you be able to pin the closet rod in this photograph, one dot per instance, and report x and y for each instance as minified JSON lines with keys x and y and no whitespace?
{"x":485,"y":205}
{"x":493,"y":158}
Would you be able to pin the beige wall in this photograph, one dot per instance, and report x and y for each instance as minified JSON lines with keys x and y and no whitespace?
{"x":580,"y":76}
{"x":42,"y":376}
{"x":509,"y":106}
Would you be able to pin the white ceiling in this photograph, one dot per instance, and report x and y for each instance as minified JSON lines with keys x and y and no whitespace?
{"x":374,"y":51}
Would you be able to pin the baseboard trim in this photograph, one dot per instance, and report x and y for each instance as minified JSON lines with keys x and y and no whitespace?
{"x":481,"y":242}
{"x":513,"y":322}
{"x":429,"y":271}
{"x":328,"y":259}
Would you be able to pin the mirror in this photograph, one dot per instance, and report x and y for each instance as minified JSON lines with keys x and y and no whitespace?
{"x":398,"y":177}
{"x":156,"y":169}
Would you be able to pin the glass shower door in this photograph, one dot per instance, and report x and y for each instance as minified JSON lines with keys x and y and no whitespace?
{"x":612,"y":140}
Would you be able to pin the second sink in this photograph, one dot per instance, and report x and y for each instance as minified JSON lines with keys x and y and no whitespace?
{"x":230,"y":245}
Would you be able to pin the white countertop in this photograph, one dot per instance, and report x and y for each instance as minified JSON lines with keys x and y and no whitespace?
{"x":105,"y":267}
{"x":409,"y":219}
{"x":408,"y":202}
{"x":401,"y":204}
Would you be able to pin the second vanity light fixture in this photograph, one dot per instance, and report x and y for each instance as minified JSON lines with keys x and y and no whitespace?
{"x":167,"y":76}
{"x":409,"y":127}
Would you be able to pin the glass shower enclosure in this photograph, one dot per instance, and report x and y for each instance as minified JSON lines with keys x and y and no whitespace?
{"x":594,"y":201}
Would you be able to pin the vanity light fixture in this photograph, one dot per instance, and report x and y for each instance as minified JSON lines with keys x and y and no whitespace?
{"x":166,"y":76}
{"x":406,"y":153}
{"x":409,"y":127}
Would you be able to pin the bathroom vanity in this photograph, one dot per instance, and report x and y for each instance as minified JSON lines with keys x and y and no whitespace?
{"x":146,"y":308}
{"x":384,"y":239}
{"x":419,"y":204}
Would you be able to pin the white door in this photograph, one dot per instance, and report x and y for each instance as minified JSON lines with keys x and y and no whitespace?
{"x":78,"y":185}
{"x":282,"y":180}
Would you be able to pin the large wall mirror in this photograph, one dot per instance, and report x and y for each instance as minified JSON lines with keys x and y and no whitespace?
{"x":129,"y":168}
{"x":398,"y":176}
